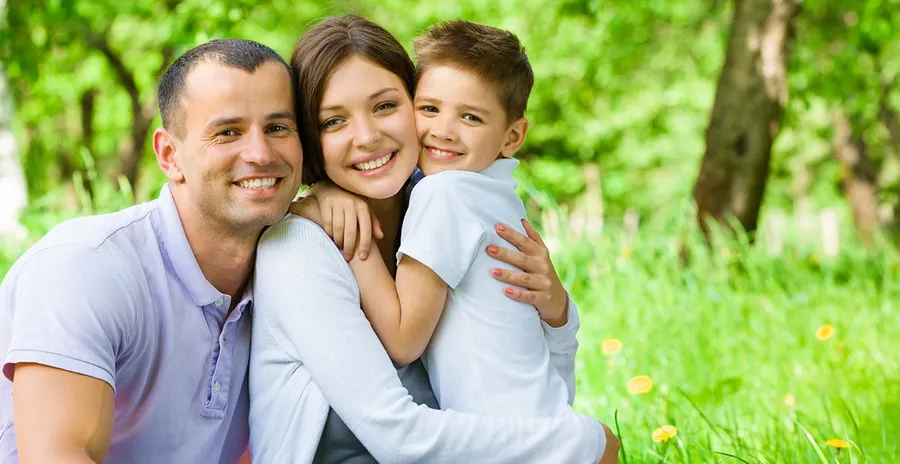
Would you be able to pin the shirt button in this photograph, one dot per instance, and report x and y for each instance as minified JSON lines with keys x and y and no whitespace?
{"x":220,"y":302}
{"x":217,"y":386}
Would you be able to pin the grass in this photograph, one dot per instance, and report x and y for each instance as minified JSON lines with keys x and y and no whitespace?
{"x":729,"y":343}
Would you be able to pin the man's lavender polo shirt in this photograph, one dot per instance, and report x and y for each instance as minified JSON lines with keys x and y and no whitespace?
{"x":121,"y":298}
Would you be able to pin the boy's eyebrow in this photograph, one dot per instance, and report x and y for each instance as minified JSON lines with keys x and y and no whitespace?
{"x":371,"y":97}
{"x":461,"y":107}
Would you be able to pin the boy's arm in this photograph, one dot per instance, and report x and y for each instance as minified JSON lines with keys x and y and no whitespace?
{"x":404,"y":315}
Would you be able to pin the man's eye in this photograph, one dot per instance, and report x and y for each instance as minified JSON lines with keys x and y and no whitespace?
{"x":229,"y":133}
{"x":277,"y":128}
{"x":385,"y":106}
{"x":471,"y":117}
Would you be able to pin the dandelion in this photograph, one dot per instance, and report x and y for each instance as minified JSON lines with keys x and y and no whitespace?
{"x":837,"y":443}
{"x":640,"y":384}
{"x":825,"y":332}
{"x":789,"y":400}
{"x":664,"y":433}
{"x":611,"y":346}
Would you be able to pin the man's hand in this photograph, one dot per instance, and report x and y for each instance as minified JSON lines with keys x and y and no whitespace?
{"x":61,"y":416}
{"x":344,"y":216}
{"x":611,"y":454}
{"x":543,"y":288}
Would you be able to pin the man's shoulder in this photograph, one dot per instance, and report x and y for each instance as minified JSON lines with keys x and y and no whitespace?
{"x":95,"y":230}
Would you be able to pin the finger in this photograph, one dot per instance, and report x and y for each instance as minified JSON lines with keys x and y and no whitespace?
{"x":523,"y":296}
{"x":516,"y":258}
{"x":327,"y":223}
{"x":533,"y":234}
{"x":337,"y":220}
{"x":351,"y":228}
{"x":525,"y":280}
{"x":520,"y":241}
{"x":376,"y":228}
{"x":365,"y":231}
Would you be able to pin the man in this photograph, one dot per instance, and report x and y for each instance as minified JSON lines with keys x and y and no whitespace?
{"x":126,"y":336}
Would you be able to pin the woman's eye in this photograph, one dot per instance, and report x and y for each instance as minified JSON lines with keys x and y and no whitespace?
{"x":385,"y":106}
{"x":471,"y":117}
{"x":330,"y":123}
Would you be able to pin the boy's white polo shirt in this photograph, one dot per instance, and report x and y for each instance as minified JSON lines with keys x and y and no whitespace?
{"x":488,"y":353}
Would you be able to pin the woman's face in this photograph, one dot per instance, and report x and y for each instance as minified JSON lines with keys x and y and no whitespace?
{"x":367,"y":124}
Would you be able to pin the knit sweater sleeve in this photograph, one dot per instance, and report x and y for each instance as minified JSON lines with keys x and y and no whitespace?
{"x":308,"y":296}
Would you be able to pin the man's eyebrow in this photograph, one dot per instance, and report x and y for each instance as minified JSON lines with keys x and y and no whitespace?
{"x":280,"y":115}
{"x":226,"y":121}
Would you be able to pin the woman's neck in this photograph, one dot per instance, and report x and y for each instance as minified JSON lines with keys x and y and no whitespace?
{"x":389,"y":212}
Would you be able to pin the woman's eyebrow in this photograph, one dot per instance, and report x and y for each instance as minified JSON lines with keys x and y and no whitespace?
{"x":382,"y":92}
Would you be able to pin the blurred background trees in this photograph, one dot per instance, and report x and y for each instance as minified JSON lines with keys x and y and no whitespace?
{"x":735,"y":107}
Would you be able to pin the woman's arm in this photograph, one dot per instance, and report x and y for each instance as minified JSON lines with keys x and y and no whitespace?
{"x":404,"y":314}
{"x":541,"y":287}
{"x":306,"y":296}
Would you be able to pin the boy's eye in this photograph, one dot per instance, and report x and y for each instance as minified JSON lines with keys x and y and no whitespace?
{"x":471,"y":117}
{"x":385,"y":106}
{"x":428,"y":109}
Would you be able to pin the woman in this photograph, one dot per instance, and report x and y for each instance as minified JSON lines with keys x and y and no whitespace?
{"x":318,"y":370}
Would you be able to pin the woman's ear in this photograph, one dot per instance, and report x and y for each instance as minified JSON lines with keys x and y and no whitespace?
{"x":515,"y":137}
{"x":165,"y":147}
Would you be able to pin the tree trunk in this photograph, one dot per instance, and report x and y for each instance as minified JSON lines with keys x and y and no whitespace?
{"x":750,"y":98}
{"x":13,"y":191}
{"x":860,"y":179}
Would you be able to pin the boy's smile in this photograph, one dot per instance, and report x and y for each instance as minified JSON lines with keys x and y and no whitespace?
{"x":461,"y":123}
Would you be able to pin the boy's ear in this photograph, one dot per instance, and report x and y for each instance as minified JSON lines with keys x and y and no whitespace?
{"x":165,"y":147}
{"x":515,"y":137}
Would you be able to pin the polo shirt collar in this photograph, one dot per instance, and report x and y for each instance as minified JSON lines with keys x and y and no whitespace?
{"x":501,"y":169}
{"x":179,"y":253}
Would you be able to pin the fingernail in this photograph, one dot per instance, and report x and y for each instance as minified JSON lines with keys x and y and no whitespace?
{"x":496,"y":272}
{"x":363,"y":255}
{"x":492,"y":249}
{"x":501,"y":228}
{"x":508,"y":291}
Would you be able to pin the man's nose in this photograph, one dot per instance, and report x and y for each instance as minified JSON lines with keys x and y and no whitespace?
{"x":258,"y":149}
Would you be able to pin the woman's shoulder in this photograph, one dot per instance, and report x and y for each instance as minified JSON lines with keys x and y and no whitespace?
{"x":297,"y":234}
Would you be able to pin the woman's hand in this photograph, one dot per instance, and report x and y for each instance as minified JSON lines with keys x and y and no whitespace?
{"x":346,"y":217}
{"x":538,"y":277}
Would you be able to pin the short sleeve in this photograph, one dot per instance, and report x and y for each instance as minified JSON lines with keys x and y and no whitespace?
{"x":440,"y":230}
{"x":69,"y":307}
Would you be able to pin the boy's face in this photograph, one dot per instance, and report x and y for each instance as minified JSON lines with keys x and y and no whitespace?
{"x":461,"y":123}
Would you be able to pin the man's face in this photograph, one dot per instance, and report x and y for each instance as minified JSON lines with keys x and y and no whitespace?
{"x":238,"y":159}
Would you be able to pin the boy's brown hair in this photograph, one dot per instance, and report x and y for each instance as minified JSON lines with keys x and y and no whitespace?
{"x":495,"y":56}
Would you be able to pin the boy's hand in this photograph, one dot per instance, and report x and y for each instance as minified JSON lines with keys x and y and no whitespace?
{"x":543,"y":289}
{"x":346,"y":217}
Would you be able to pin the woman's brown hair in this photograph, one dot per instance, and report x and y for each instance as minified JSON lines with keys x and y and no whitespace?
{"x":315,"y":57}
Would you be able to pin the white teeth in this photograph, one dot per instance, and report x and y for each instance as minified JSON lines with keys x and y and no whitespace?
{"x":258,"y":183}
{"x":443,"y":153}
{"x":370,"y":165}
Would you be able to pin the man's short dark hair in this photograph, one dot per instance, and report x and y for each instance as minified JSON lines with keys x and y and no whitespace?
{"x":235,"y":53}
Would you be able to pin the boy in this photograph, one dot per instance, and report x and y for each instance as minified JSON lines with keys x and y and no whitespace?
{"x":488,"y":353}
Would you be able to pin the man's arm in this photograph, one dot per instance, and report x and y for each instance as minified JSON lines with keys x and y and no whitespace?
{"x":404,"y":314}
{"x":61,"y":416}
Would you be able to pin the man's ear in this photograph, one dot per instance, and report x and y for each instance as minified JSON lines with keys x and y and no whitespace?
{"x":164,"y":145}
{"x":515,"y":137}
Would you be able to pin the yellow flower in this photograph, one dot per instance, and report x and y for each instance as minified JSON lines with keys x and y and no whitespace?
{"x":640,"y":384}
{"x":789,"y":400}
{"x":837,"y":443}
{"x":611,"y":346}
{"x":814,"y":260}
{"x":626,"y":251}
{"x":664,"y":433}
{"x":825,"y":332}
